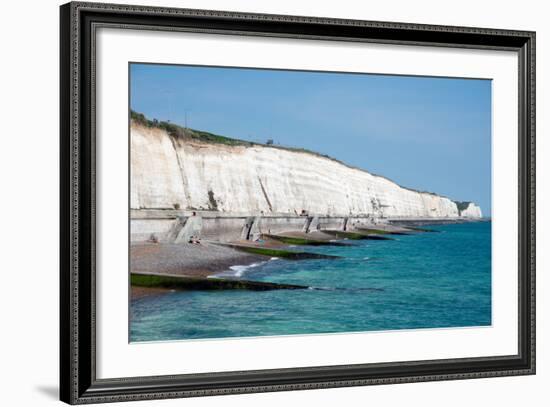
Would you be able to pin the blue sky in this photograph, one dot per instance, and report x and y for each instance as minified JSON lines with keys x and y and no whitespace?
{"x":426,"y":133}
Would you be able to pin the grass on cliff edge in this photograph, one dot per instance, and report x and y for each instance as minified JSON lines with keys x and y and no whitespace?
{"x":204,"y":136}
{"x":181,"y":132}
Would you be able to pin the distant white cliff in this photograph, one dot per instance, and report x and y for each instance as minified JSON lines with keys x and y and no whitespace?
{"x":471,"y":211}
{"x":170,"y":172}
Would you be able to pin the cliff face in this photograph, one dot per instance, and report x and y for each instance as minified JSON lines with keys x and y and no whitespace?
{"x":169,"y":172}
{"x":471,"y":211}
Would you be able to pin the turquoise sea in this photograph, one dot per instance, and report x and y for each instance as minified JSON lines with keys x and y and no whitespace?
{"x":424,"y":280}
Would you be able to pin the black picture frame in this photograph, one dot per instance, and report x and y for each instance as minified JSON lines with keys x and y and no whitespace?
{"x":78,"y":382}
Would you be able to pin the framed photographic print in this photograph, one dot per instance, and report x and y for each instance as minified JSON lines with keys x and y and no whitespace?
{"x":255,"y":203}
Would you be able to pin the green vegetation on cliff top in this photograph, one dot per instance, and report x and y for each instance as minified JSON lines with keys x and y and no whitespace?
{"x":183,"y":133}
{"x":186,"y":133}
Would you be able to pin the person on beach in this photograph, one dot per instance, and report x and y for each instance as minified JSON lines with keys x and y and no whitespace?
{"x":194,"y":240}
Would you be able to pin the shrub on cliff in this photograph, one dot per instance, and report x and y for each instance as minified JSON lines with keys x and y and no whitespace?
{"x":139,"y":118}
{"x":462,"y":205}
{"x":181,"y":132}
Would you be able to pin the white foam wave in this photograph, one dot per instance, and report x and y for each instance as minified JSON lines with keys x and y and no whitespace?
{"x":237,"y":270}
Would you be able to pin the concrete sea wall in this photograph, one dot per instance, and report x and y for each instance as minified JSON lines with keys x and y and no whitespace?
{"x":173,"y":226}
{"x":180,"y":226}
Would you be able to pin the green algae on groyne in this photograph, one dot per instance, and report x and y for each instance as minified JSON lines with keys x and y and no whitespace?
{"x":200,"y":283}
{"x":384,"y":232}
{"x":418,"y":229}
{"x":283,"y":254}
{"x":300,"y":241}
{"x":339,"y":234}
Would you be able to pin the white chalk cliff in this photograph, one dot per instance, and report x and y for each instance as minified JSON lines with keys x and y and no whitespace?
{"x":169,"y":172}
{"x":471,"y":211}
